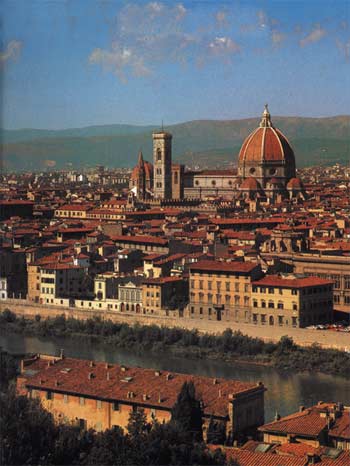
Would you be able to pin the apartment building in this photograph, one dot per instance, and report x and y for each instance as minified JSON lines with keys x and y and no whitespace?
{"x":99,"y":395}
{"x":222,"y":290}
{"x":292,"y":301}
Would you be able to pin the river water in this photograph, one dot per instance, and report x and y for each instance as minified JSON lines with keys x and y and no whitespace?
{"x":286,"y":391}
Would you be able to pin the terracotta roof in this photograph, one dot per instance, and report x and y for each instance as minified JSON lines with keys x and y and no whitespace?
{"x":277,"y":281}
{"x":341,"y":427}
{"x":226,"y":267}
{"x":75,"y":380}
{"x":250,"y":458}
{"x":140,"y":239}
{"x":307,"y":423}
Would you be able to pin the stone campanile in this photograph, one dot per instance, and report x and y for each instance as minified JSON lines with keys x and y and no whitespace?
{"x":162,"y":165}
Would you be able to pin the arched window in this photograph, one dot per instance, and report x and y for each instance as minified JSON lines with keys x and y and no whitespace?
{"x":213,"y":182}
{"x":237,"y":300}
{"x":176,"y":178}
{"x":271,"y":320}
{"x":159,"y":154}
{"x":263,"y":303}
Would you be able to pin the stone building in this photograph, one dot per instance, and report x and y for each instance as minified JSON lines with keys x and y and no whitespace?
{"x":222,"y":290}
{"x":99,"y":395}
{"x":292,"y":301}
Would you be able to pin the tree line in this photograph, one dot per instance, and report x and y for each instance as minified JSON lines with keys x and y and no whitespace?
{"x":228,"y":346}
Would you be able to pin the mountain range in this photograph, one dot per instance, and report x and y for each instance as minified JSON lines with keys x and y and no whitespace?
{"x":200,"y":143}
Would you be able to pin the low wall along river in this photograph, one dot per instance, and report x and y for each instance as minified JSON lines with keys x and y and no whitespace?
{"x":303,"y":337}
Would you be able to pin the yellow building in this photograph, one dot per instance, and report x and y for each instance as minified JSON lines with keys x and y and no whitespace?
{"x":292,"y":302}
{"x":99,"y":395}
{"x":61,"y":281}
{"x":222,"y":290}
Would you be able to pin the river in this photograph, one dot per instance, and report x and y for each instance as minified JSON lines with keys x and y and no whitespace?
{"x":286,"y":391}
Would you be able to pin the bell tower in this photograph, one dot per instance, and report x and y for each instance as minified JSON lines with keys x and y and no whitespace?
{"x":162,"y":165}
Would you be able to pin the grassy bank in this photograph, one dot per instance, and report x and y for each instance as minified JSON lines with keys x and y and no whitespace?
{"x":228,"y":346}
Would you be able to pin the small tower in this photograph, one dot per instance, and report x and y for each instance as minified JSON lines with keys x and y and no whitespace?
{"x":162,"y":165}
{"x":141,"y":182}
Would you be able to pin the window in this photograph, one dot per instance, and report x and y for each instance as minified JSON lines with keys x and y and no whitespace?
{"x":192,"y":285}
{"x":294,"y":321}
{"x":82,"y":424}
{"x":176,"y":178}
{"x":213,"y":182}
{"x":159,"y":154}
{"x":263,"y":318}
{"x":271,"y":304}
{"x":336,"y":299}
{"x":255,"y":289}
{"x":246,"y":288}
{"x":280,"y":291}
{"x":209,"y":285}
{"x":255,"y":303}
{"x":280,"y":320}
{"x":227,"y":299}
{"x":295,"y":307}
{"x":280,"y":305}
{"x":49,"y":395}
{"x":236,"y":286}
{"x":116,"y":406}
{"x":263,"y":304}
{"x":227,"y":286}
{"x":218,"y":286}
{"x":294,"y":291}
{"x":347,"y":282}
{"x":255,"y":318}
{"x":271,"y":291}
{"x":201,"y":284}
{"x":210,"y":298}
{"x":237,"y":300}
{"x":98,"y":404}
{"x":81,"y":401}
{"x":201,"y":310}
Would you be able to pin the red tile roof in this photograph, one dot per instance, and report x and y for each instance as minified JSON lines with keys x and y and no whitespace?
{"x":140,"y":381}
{"x":226,"y":267}
{"x":277,"y":281}
{"x":308,"y":423}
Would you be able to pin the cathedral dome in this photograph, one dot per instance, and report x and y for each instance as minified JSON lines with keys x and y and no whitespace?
{"x":295,"y":183}
{"x":250,"y":184}
{"x":266,"y":145}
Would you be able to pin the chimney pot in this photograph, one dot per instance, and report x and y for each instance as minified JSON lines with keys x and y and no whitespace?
{"x":90,"y":375}
{"x":62,"y":353}
{"x":215,"y":381}
{"x":108,"y":376}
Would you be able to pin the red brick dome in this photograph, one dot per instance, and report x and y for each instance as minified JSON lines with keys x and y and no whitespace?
{"x":295,"y":183}
{"x":266,"y":144}
{"x":250,"y":184}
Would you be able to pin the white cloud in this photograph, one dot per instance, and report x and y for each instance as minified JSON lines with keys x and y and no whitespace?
{"x":11,"y":52}
{"x":223,"y":46}
{"x":315,"y":35}
{"x":278,"y":37}
{"x":344,"y":48}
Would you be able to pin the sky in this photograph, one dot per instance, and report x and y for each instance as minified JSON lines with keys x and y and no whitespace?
{"x":74,"y":63}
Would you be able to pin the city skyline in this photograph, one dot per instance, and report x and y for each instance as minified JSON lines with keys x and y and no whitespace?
{"x":75,"y":64}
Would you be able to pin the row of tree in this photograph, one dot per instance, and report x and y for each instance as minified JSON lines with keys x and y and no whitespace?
{"x":227,"y":346}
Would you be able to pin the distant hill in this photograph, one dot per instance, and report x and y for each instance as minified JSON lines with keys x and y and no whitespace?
{"x":208,"y":143}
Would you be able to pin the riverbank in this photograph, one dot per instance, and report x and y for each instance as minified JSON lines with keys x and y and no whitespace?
{"x":228,"y":347}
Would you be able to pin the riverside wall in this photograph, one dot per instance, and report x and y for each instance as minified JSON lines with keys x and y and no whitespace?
{"x":303,"y":337}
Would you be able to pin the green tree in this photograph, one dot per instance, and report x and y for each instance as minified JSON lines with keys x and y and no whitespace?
{"x":187,"y":413}
{"x":27,"y":432}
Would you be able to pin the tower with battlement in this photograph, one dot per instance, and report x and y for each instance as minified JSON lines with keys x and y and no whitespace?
{"x":162,"y":181}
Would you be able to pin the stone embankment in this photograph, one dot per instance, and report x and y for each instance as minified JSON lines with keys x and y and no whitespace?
{"x":303,"y":337}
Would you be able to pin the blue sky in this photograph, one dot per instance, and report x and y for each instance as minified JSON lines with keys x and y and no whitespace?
{"x":73,"y":63}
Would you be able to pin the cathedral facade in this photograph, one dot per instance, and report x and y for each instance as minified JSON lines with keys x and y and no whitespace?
{"x":266,"y":169}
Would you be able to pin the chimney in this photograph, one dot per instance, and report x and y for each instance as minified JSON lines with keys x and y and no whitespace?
{"x":22,"y":366}
{"x":48,"y":363}
{"x":56,"y":383}
{"x":219,"y":393}
{"x":312,"y":458}
{"x":169,"y":376}
{"x":90,"y":375}
{"x":62,"y":353}
{"x":91,"y":363}
{"x":277,"y":416}
{"x":215,"y":381}
{"x":106,"y":365}
{"x":157,"y":373}
{"x":159,"y":398}
{"x":123,"y":368}
{"x":108,"y":376}
{"x":301,"y":409}
{"x":144,"y":397}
